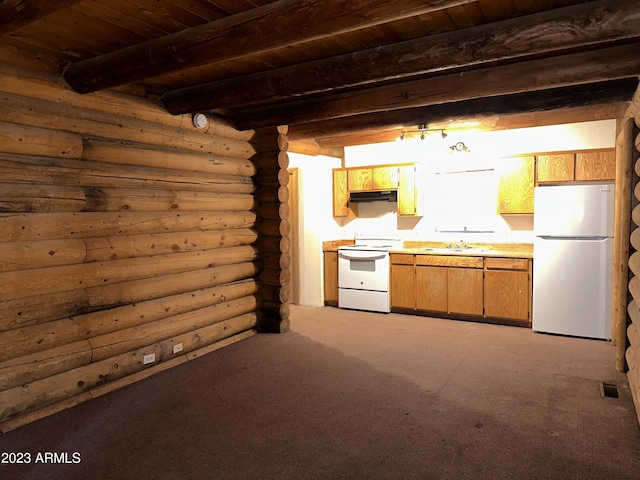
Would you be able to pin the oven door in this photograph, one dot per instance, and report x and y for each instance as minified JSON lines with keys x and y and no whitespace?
{"x":363,"y":270}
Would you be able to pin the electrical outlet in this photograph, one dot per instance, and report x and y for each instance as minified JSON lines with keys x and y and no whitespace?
{"x":177,"y":347}
{"x":149,"y":358}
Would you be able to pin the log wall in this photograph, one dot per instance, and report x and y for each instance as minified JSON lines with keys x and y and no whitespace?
{"x":632,"y":355}
{"x":125,"y":231}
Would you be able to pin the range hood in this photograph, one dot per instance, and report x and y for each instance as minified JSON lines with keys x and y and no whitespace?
{"x":377,"y":196}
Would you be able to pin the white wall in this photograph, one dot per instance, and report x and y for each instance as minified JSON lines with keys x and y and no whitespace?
{"x":461,"y":188}
{"x":453,"y":201}
{"x":316,"y":222}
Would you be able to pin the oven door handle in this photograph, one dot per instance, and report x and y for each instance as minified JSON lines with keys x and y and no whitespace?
{"x":361,"y":256}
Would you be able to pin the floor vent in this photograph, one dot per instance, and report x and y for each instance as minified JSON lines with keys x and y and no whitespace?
{"x":609,"y":390}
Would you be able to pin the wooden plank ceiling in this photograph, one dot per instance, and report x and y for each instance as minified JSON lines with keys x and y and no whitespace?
{"x":342,"y":72}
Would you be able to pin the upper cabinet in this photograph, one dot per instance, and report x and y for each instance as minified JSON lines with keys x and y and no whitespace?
{"x":400,"y":177}
{"x":409,"y":193}
{"x":595,"y":165}
{"x":515,"y":189}
{"x":372,"y":178}
{"x":519,"y":175}
{"x":341,"y":205}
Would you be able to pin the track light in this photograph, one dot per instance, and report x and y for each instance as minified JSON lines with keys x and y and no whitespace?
{"x":423,"y":129}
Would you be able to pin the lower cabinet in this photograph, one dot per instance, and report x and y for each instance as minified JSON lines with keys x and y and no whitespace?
{"x":507,"y":287}
{"x":431,"y":288}
{"x":474,"y":286}
{"x":331,"y":278}
{"x":465,"y":290}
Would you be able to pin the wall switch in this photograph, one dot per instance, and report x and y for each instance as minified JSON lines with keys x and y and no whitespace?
{"x":149,"y":358}
{"x":177,"y":347}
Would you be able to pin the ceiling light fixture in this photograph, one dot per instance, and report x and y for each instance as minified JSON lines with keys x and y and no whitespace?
{"x":459,"y":147}
{"x":423,"y":129}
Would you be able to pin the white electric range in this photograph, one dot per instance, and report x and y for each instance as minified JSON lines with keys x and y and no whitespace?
{"x":363,"y":273}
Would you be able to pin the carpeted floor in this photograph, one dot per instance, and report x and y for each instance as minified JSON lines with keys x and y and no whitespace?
{"x":354,"y":395}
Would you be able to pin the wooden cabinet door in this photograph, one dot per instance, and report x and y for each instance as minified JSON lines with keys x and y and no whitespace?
{"x":515,"y":190}
{"x":403,"y":286}
{"x":359,"y":179}
{"x":555,"y":168}
{"x":340,"y":194}
{"x":431,"y":288}
{"x":409,"y":203}
{"x":464,"y":290}
{"x":385,"y":178}
{"x":596,"y":165}
{"x":331,"y":278}
{"x":506,"y":294}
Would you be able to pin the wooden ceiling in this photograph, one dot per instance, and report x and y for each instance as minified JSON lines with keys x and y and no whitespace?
{"x":342,"y":72}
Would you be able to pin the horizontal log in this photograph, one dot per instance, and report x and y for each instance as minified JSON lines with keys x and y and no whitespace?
{"x":536,"y":34}
{"x":29,"y":417}
{"x":274,"y":293}
{"x":275,"y":324}
{"x":35,"y":83}
{"x":39,"y":141}
{"x":634,"y":311}
{"x":273,"y":193}
{"x":33,"y":339}
{"x":209,"y":335}
{"x":156,"y":287}
{"x":498,"y":111}
{"x":119,"y":199}
{"x":274,"y":245}
{"x":29,"y":368}
{"x":252,"y":31}
{"x":17,"y":198}
{"x":272,"y":276}
{"x":274,"y":211}
{"x":42,"y":308}
{"x":634,"y":263}
{"x":44,"y":170}
{"x":28,"y":227}
{"x":123,"y":382}
{"x":635,"y":214}
{"x":49,"y":253}
{"x":634,"y":288}
{"x":275,"y":310}
{"x":142,"y":155}
{"x":547,"y":73}
{"x":633,"y":334}
{"x":635,"y":238}
{"x":41,"y":113}
{"x":273,"y":228}
{"x":28,"y":283}
{"x":276,"y":261}
{"x":109,"y":345}
{"x":269,"y":160}
{"x":47,"y":391}
{"x":278,"y":176}
{"x":128,"y":246}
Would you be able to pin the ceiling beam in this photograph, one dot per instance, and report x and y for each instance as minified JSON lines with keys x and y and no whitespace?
{"x":493,"y":122}
{"x":540,"y":74}
{"x":18,"y":13}
{"x":387,"y":125}
{"x":272,"y":26}
{"x":561,"y":29}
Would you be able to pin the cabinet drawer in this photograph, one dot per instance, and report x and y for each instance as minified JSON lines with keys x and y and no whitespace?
{"x":401,"y":259}
{"x":449,"y":261}
{"x":506,"y":263}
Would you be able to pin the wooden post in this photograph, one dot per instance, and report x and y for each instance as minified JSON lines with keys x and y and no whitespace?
{"x":624,"y":171}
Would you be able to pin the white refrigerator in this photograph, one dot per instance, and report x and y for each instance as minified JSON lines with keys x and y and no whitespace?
{"x":573,"y":260}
